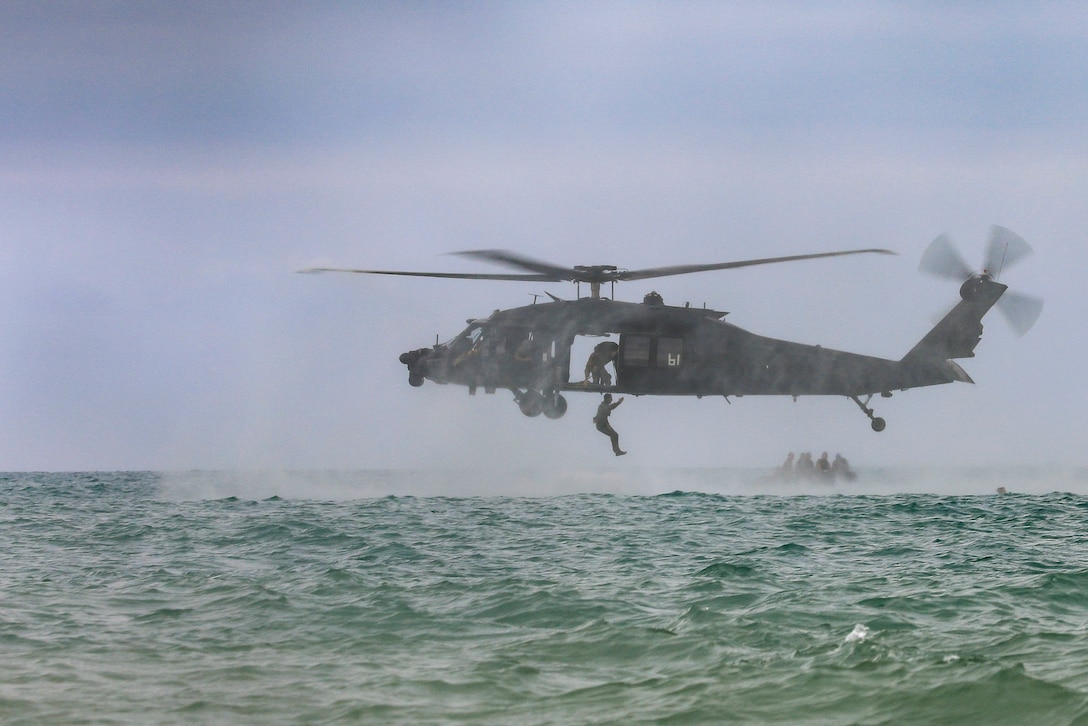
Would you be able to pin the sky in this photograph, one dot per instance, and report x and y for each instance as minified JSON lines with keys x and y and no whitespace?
{"x":167,"y":167}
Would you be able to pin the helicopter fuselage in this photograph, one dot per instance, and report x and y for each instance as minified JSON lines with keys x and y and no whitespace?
{"x":659,"y":349}
{"x":655,"y":349}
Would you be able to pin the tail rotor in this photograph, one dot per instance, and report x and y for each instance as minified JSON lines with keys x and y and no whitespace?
{"x":1005,"y":248}
{"x":1021,"y":311}
{"x":941,"y":259}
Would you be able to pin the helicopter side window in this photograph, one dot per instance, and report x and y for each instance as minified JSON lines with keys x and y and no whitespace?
{"x":509,"y":341}
{"x":669,"y":352}
{"x":636,"y":350}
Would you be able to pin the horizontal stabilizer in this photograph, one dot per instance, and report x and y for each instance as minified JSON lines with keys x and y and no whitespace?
{"x":958,"y":372}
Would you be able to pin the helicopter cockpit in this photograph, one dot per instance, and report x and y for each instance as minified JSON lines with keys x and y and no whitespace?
{"x":466,"y":341}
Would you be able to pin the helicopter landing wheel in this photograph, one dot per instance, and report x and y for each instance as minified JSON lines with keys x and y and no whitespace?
{"x":531,"y":403}
{"x":876,"y":422}
{"x":555,"y":405}
{"x":415,"y":380}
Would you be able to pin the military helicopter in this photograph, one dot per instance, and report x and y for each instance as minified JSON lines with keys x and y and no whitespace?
{"x":659,"y":349}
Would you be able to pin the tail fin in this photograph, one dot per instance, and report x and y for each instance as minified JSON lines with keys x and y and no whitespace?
{"x":957,"y":334}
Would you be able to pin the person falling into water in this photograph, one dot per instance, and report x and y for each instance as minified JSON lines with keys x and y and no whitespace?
{"x":601,"y":419}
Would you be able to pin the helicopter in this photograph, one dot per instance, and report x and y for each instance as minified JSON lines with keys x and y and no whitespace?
{"x":666,"y":350}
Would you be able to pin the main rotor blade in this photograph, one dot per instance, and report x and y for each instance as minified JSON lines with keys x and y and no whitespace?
{"x":942,"y":259}
{"x":512,"y":259}
{"x":1005,"y":249}
{"x":685,"y":269}
{"x":1020,"y":310}
{"x":546,"y":272}
{"x":451,"y":275}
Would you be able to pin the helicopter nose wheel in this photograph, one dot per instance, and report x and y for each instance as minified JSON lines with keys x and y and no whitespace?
{"x":878,"y":424}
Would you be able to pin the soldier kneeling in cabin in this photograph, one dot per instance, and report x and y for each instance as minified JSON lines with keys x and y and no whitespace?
{"x":603,"y":354}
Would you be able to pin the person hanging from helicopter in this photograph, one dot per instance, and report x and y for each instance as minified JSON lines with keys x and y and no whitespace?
{"x":601,"y":420}
{"x":603,"y":354}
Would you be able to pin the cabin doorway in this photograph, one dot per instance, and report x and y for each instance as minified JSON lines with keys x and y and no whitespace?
{"x":601,"y":349}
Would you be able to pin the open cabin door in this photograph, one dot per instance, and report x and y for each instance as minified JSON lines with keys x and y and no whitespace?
{"x":593,"y":358}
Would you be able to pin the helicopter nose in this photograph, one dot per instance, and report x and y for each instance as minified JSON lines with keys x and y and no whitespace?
{"x":415,"y":360}
{"x":413,"y":356}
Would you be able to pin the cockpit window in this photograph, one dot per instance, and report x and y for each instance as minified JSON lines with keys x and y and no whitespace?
{"x":466,"y":339}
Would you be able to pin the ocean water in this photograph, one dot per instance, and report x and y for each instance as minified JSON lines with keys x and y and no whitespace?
{"x":620,"y":596}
